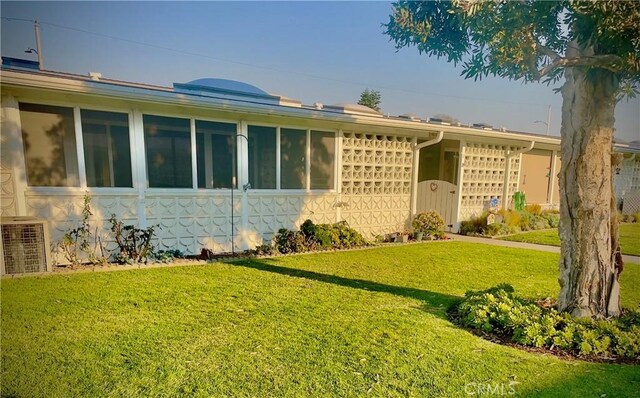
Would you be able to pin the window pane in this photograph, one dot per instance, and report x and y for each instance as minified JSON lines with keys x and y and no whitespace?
{"x":168,"y":147}
{"x":107,"y":153}
{"x":322,"y":159}
{"x":215,"y":154}
{"x":262,"y":157}
{"x":49,"y":140}
{"x":293,"y":144}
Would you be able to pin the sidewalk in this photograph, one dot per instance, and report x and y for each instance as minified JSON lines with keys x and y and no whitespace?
{"x":521,"y":245}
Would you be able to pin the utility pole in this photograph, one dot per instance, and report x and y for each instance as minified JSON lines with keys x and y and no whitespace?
{"x":548,"y":118}
{"x":38,"y":47}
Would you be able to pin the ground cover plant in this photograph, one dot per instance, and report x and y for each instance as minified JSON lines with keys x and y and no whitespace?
{"x":629,"y":238}
{"x":511,"y":221}
{"x":500,"y":312}
{"x":329,"y":324}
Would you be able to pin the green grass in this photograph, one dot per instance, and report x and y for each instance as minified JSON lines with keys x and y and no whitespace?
{"x":629,"y":238}
{"x":334,"y":324}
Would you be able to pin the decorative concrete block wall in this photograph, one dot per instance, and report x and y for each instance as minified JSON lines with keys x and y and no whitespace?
{"x":482,"y":177}
{"x":376,"y":182}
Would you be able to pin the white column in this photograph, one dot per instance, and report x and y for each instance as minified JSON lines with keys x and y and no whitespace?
{"x":414,"y":176}
{"x":140,"y":171}
{"x":338,"y":175}
{"x":307,"y":166}
{"x":505,"y":187}
{"x":194,"y":161}
{"x":82,"y":170}
{"x":242,"y":153}
{"x":463,"y":147}
{"x":278,"y":161}
{"x":243,"y":166}
{"x":13,"y":150}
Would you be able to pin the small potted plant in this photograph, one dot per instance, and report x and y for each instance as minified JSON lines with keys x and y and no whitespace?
{"x":404,"y":236}
{"x":418,"y":235}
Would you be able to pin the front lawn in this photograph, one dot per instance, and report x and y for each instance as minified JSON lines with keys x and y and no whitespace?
{"x":332,"y":324}
{"x":629,"y":238}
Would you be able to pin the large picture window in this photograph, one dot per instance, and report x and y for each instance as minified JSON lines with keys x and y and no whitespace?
{"x":216,"y":157}
{"x":293,"y":164}
{"x":107,"y":153}
{"x":48,"y":134}
{"x":262,"y":157}
{"x":323,"y":154}
{"x":168,"y":149}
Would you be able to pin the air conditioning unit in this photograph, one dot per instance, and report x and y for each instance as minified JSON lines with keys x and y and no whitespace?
{"x":25,"y":245}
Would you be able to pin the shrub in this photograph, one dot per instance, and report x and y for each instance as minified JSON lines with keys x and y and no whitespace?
{"x":167,"y":256}
{"x":75,"y":244}
{"x":499,"y":311}
{"x":287,"y":241}
{"x":429,"y":223}
{"x":134,"y":244}
{"x":534,"y":209}
{"x":318,"y":236}
{"x":552,"y":218}
{"x":476,"y":225}
{"x":512,"y":218}
{"x":263,"y":250}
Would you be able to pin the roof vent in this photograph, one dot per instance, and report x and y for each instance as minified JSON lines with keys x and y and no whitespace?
{"x":410,"y":116}
{"x":352,"y":109}
{"x":482,"y":126}
{"x":95,"y":76}
{"x":318,"y":105}
{"x":436,"y":120}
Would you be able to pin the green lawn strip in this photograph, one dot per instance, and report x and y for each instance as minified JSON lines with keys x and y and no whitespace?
{"x":345,"y":323}
{"x":629,"y":238}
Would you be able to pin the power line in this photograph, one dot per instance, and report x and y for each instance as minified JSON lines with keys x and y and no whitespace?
{"x":318,"y":77}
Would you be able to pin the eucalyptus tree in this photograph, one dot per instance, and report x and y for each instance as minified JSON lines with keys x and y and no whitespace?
{"x":595,"y":47}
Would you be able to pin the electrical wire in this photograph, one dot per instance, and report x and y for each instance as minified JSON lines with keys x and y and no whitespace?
{"x":284,"y":71}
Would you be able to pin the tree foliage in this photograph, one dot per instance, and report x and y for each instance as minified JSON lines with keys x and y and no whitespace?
{"x":370,"y":98}
{"x":523,"y":40}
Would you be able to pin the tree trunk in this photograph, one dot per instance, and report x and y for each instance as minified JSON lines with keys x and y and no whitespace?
{"x":588,"y":277}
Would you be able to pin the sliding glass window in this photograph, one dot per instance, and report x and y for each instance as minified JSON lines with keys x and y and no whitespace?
{"x":107,"y":153}
{"x":48,"y":134}
{"x":262,"y":157}
{"x":216,"y":154}
{"x":293,"y":164}
{"x":323,"y":155}
{"x":168,"y":149}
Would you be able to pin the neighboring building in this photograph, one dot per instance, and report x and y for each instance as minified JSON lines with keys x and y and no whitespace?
{"x":169,"y":156}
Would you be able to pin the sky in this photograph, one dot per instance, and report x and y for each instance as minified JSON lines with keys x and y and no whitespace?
{"x":326,"y":52}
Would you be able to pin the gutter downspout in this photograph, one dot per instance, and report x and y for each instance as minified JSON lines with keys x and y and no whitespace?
{"x":416,"y":159}
{"x":507,"y":172}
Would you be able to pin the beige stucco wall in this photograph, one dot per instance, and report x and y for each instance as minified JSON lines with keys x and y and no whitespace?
{"x":535,"y":174}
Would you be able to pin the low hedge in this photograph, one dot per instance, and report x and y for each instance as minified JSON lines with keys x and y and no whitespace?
{"x":500,"y":312}
{"x":312,"y":237}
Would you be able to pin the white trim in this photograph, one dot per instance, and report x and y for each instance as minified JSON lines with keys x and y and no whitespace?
{"x":167,"y":96}
{"x":307,"y":161}
{"x":140,"y":177}
{"x":77,"y":124}
{"x":278,"y":158}
{"x":242,"y":153}
{"x":463,"y":146}
{"x":194,"y":154}
{"x":416,"y":164}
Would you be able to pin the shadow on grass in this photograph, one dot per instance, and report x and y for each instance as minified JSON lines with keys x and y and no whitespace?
{"x":434,"y":303}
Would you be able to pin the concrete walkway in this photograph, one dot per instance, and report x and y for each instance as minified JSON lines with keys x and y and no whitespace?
{"x":522,"y":245}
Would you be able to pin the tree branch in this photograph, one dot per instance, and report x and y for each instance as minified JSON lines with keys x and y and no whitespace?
{"x":612,"y":63}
